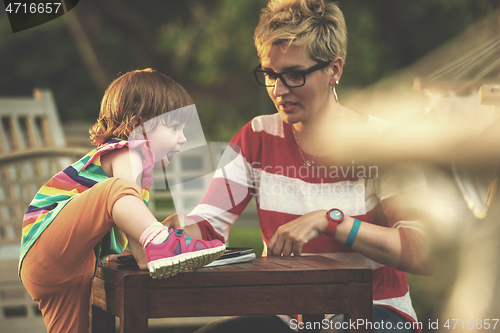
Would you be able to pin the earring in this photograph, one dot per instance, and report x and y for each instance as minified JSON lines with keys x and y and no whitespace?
{"x":334,"y":92}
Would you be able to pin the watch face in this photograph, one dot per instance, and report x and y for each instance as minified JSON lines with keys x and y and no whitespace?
{"x":336,"y":215}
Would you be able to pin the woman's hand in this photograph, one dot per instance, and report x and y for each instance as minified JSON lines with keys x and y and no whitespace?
{"x":178,"y":220}
{"x":378,"y":243}
{"x":173,"y":221}
{"x":291,"y":237}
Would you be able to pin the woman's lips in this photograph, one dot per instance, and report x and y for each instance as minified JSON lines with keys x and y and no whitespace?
{"x":287,"y":107}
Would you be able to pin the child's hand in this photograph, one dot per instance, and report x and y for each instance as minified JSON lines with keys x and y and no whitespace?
{"x":114,"y":257}
{"x":143,"y":264}
{"x":139,"y":254}
{"x":125,"y":258}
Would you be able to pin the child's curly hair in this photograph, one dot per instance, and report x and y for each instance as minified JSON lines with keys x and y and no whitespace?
{"x":134,"y":98}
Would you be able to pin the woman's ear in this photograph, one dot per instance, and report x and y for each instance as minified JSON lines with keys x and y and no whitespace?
{"x":336,"y":67}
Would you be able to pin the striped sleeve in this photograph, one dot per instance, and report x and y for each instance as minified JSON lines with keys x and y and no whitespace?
{"x":227,"y":196}
{"x":398,"y":185}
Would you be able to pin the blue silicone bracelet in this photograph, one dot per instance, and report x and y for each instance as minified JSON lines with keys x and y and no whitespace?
{"x":353,"y":233}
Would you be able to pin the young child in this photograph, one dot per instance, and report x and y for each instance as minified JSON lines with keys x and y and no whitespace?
{"x":83,"y":213}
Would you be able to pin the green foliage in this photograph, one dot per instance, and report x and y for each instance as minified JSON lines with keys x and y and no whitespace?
{"x":47,"y":57}
{"x":247,"y":237}
{"x":386,"y":35}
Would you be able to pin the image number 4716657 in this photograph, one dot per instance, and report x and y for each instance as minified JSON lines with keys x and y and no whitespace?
{"x":26,"y":14}
{"x":33,"y":8}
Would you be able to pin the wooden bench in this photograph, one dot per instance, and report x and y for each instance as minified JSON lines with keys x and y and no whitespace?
{"x":311,"y":285}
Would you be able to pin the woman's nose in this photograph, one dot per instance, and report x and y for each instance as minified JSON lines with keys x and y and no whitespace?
{"x":280,"y":88}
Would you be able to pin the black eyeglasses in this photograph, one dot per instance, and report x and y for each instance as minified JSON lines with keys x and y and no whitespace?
{"x":291,"y":79}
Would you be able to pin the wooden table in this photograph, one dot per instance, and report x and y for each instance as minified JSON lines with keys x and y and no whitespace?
{"x":308,"y":285}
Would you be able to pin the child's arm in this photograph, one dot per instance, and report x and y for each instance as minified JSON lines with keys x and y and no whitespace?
{"x":127,"y":164}
{"x":124,"y":163}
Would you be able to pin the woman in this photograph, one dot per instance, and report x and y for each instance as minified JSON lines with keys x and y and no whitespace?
{"x":304,"y":204}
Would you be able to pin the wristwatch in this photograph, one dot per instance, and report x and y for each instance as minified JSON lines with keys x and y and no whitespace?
{"x":334,"y":216}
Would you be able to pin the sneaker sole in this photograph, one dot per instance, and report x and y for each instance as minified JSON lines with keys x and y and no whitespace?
{"x":167,"y":267}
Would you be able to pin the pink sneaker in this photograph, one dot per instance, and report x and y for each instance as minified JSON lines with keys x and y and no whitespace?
{"x":179,"y":252}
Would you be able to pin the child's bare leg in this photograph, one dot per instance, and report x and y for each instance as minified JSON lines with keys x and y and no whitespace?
{"x":165,"y":253}
{"x":132,"y":216}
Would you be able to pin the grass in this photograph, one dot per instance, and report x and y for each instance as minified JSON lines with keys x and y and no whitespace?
{"x":246,"y":237}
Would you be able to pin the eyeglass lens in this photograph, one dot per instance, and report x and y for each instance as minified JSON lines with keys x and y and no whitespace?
{"x":290,"y":79}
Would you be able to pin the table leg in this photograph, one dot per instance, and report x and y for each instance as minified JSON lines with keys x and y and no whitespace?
{"x":312,"y":319}
{"x":102,"y":321}
{"x":134,"y":314}
{"x":360,"y":307}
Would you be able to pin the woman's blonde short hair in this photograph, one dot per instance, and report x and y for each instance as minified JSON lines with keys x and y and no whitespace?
{"x":134,"y":98}
{"x":316,"y":25}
